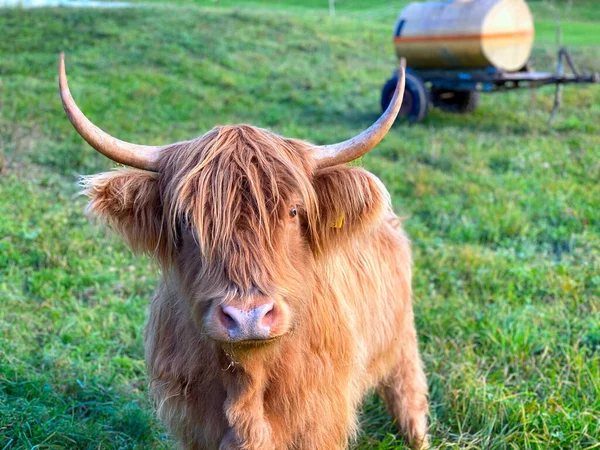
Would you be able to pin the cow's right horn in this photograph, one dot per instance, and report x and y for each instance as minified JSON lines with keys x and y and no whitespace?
{"x":360,"y":145}
{"x":134,"y":155}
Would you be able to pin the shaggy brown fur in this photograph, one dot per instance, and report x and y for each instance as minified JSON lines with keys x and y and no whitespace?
{"x":217,"y":218}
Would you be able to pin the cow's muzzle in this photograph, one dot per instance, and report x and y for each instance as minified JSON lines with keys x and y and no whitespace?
{"x":258,"y":322}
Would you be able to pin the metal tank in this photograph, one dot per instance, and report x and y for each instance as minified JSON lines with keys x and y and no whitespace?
{"x":461,"y":34}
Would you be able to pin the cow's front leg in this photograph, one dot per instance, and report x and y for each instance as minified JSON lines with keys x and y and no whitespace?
{"x":405,"y":391}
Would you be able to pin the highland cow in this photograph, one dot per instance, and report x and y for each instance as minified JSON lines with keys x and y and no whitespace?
{"x":286,"y":284}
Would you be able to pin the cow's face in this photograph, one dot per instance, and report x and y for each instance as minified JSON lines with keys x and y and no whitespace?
{"x":239,"y":219}
{"x":239,"y":198}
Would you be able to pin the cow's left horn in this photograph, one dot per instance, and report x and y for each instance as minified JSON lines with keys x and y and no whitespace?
{"x":139,"y":156}
{"x":343,"y":152}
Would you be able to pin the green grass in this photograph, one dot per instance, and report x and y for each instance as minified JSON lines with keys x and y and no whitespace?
{"x":504,"y":214}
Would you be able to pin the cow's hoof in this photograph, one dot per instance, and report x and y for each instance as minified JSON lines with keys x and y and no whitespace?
{"x":421,"y":443}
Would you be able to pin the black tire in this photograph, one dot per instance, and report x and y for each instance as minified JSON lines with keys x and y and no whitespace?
{"x":415,"y":104}
{"x":459,"y":102}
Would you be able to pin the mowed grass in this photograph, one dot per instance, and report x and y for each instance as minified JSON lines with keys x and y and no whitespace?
{"x":504,"y":214}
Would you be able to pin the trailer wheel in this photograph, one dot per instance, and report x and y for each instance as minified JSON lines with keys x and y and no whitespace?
{"x":415,"y":104}
{"x":460,"y":102}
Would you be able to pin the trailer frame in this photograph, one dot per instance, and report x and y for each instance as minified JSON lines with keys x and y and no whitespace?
{"x":491,"y":80}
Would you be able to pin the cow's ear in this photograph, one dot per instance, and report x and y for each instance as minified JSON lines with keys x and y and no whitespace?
{"x":129,"y":200}
{"x":351,"y":201}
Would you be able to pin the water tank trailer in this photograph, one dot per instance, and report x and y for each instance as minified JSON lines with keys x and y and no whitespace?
{"x":456,"y":49}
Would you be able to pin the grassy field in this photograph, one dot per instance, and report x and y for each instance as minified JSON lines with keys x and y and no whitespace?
{"x":504,"y":214}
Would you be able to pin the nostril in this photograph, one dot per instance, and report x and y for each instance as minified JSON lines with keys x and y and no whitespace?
{"x":227,"y":319}
{"x":268,"y":317}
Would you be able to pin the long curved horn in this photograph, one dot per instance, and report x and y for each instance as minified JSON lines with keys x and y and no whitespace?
{"x":139,"y":156}
{"x":354,"y":148}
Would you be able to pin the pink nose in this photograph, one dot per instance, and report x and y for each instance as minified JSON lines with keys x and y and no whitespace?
{"x":251,"y":324}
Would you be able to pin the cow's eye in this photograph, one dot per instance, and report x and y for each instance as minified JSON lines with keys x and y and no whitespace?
{"x":293,"y":212}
